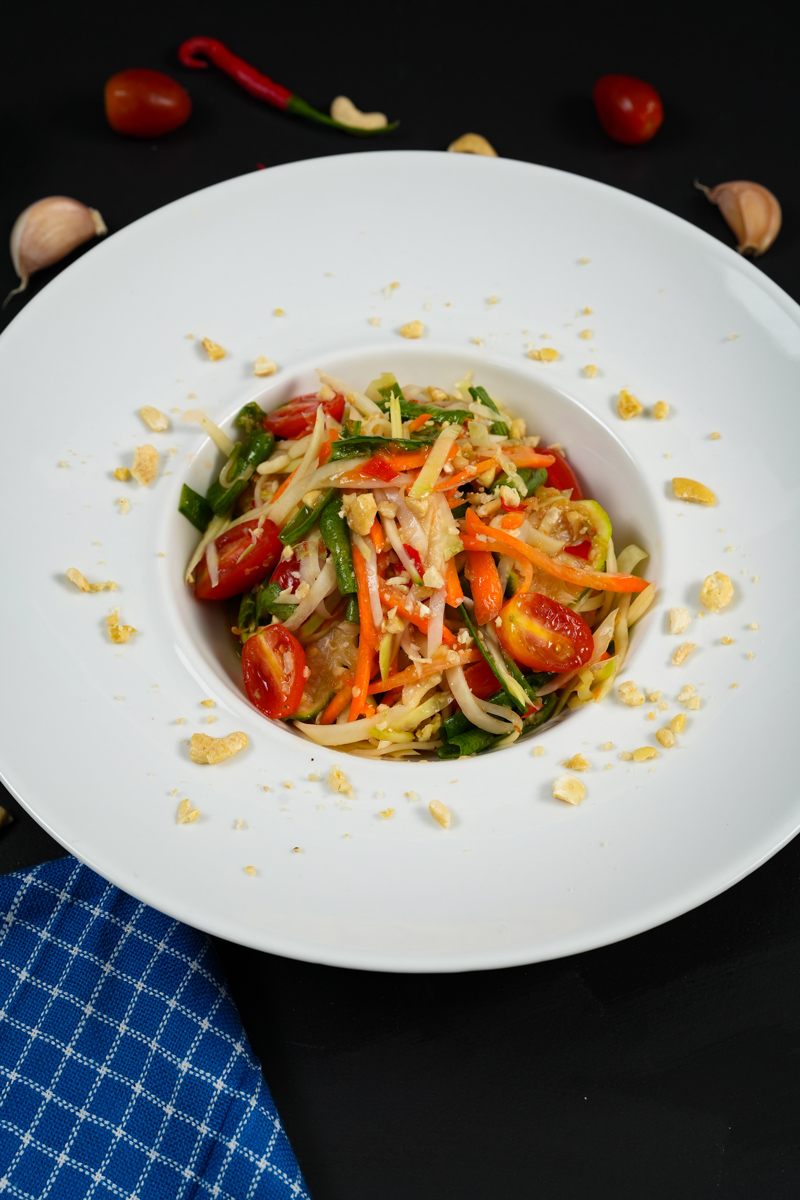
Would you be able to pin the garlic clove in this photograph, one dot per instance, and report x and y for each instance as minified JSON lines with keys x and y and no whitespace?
{"x":49,"y":230}
{"x":751,"y":211}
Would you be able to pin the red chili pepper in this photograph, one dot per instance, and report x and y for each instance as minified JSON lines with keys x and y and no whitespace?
{"x":414,"y":555}
{"x":261,"y":86}
{"x":581,"y":550}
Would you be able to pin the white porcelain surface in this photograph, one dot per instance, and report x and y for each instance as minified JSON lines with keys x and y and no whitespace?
{"x":88,"y":736}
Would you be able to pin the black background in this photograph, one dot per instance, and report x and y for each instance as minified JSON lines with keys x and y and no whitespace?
{"x":667,"y":1064}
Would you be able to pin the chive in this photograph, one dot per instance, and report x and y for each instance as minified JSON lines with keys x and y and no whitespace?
{"x":195,"y":508}
{"x":305,"y":520}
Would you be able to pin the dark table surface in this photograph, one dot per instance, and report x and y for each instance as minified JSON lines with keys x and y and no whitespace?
{"x":664,"y":1065}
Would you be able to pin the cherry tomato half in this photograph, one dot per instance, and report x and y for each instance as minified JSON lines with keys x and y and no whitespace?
{"x":544,"y":635}
{"x":561,"y":475}
{"x":145,"y":104}
{"x":242,"y":561}
{"x":273,"y":665}
{"x":296,"y":419}
{"x":481,"y":679}
{"x":629,"y":109}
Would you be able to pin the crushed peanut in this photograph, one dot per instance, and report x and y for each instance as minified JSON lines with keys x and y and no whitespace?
{"x":693,"y":702}
{"x":186,"y":813}
{"x":660,"y":410}
{"x":386,"y":813}
{"x":644,"y":753}
{"x":682,"y":653}
{"x":726,"y":641}
{"x":590,"y":370}
{"x":586,"y":334}
{"x":359,"y":510}
{"x":122,"y":474}
{"x":607,"y":746}
{"x":569,"y":789}
{"x":546,"y":354}
{"x":628,"y":406}
{"x":686,"y":691}
{"x":153,"y":418}
{"x":472,"y":143}
{"x":678,"y":721}
{"x":576,"y":763}
{"x":666,"y":737}
{"x":440,"y":813}
{"x":213,"y":350}
{"x":679,"y":619}
{"x":118,"y":633}
{"x":338,"y":781}
{"x":264,"y":366}
{"x":630,"y":694}
{"x":145,"y":464}
{"x":249,"y":870}
{"x":716,"y":592}
{"x":626,"y":755}
{"x":412,"y":329}
{"x":75,"y":576}
{"x":690,"y":489}
{"x":208,"y":749}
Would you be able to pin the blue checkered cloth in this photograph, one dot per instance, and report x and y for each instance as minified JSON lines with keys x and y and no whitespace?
{"x":124,"y":1068}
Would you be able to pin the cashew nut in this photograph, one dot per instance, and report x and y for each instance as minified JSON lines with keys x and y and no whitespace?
{"x":473,"y":143}
{"x":345,"y":111}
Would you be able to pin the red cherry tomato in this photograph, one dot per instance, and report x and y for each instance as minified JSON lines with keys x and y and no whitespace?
{"x":629,"y":109}
{"x":561,"y":475}
{"x":580,"y":550}
{"x":287,"y":574}
{"x":145,"y":104}
{"x":296,"y":419}
{"x":544,"y":635}
{"x":273,"y":665}
{"x":481,"y":679}
{"x":242,"y":562}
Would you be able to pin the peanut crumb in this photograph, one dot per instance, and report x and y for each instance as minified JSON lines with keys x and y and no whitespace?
{"x":682,"y":653}
{"x":626,"y":756}
{"x":375,"y":321}
{"x":715,"y":436}
{"x":249,"y":870}
{"x":386,"y":813}
{"x":690,"y":489}
{"x":412,"y":329}
{"x":628,"y":406}
{"x":314,"y":777}
{"x":207,"y":703}
{"x":186,"y":813}
{"x":753,"y":625}
{"x":287,"y":783}
{"x":212,"y":349}
{"x":679,"y":619}
{"x":716,"y":592}
{"x":297,"y":849}
{"x":538,"y":751}
{"x":726,"y":641}
{"x":122,"y":474}
{"x":661,"y":410}
{"x":278,"y":312}
{"x":440,"y":813}
{"x":546,"y":354}
{"x":694,"y":701}
{"x":654,"y":696}
{"x":583,"y":261}
{"x":666,"y":737}
{"x":590,"y":370}
{"x":576,"y":763}
{"x":651,"y":716}
{"x":153,"y":418}
{"x":145,"y":464}
{"x":607,"y":746}
{"x":686,"y":691}
{"x":569,"y":789}
{"x":75,"y":576}
{"x":586,"y":334}
{"x":208,"y":749}
{"x":644,"y":753}
{"x":264,"y":366}
{"x":663,"y":706}
{"x":338,"y":781}
{"x":630,"y":694}
{"x":677,"y":723}
{"x":118,"y":633}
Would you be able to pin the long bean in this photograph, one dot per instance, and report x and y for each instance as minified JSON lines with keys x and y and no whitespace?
{"x":243,"y":460}
{"x":195,"y":508}
{"x":336,"y":536}
{"x":305,"y":519}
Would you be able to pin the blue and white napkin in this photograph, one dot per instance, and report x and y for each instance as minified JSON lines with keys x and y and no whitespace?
{"x":124,"y":1068}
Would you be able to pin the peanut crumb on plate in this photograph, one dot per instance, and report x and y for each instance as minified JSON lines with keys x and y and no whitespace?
{"x":208,"y":749}
{"x":213,"y":349}
{"x":186,"y":813}
{"x":569,"y":789}
{"x":440,"y":813}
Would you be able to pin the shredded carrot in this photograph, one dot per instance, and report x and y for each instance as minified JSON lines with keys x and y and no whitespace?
{"x":499,"y":541}
{"x":369,"y":710}
{"x":454,"y":481}
{"x":366,"y":640}
{"x":325,"y":451}
{"x":527,"y":456}
{"x":487,"y":593}
{"x":452,"y":587}
{"x":284,"y":486}
{"x":378,"y":536}
{"x":420,"y":671}
{"x":418,"y":422}
{"x":338,"y":704}
{"x":407,"y":608}
{"x":513,"y":520}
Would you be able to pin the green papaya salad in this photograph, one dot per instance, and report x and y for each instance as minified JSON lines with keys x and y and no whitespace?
{"x":408,"y":571}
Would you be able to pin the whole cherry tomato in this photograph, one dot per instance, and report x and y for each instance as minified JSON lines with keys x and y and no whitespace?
{"x":544,"y":635}
{"x":273,"y":666}
{"x":629,"y":109}
{"x":145,"y":104}
{"x":296,"y":419}
{"x":246,"y":553}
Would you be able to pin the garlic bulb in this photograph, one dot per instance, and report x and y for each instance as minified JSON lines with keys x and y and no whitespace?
{"x":47,"y":231}
{"x":752,"y":212}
